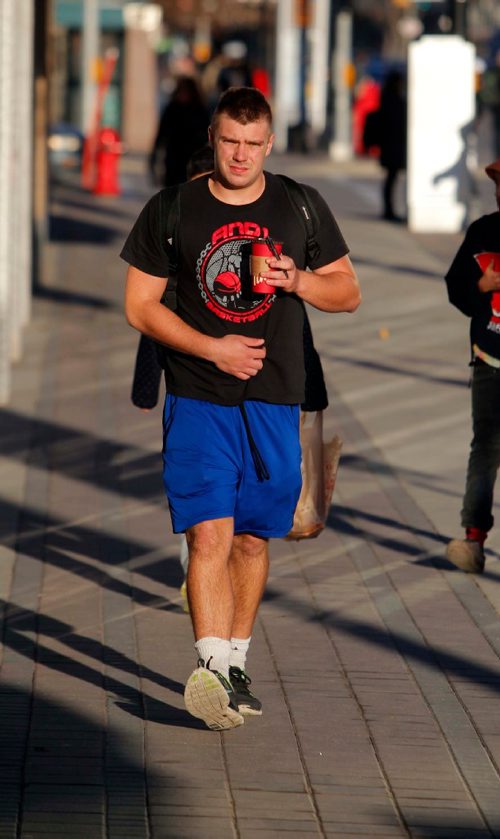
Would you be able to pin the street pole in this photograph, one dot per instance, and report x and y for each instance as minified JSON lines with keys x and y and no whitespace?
{"x":90,"y":53}
{"x":320,"y":49}
{"x":459,"y":17}
{"x":341,"y":145}
{"x":286,"y":94}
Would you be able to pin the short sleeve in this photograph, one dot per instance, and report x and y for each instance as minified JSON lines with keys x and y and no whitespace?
{"x":146,"y":244}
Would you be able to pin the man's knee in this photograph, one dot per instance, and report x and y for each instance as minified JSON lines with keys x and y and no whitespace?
{"x":250,"y":545}
{"x":210,"y":537}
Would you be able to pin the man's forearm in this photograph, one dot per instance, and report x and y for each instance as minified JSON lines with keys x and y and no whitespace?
{"x":158,"y":322}
{"x":334,"y":292}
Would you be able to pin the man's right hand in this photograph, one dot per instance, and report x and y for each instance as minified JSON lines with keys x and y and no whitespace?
{"x":239,"y":356}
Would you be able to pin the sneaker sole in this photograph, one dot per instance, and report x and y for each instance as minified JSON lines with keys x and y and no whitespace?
{"x":456,"y":556}
{"x":248,"y":711}
{"x":206,"y":699}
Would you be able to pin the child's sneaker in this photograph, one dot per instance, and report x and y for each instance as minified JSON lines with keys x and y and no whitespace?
{"x":466,"y":554}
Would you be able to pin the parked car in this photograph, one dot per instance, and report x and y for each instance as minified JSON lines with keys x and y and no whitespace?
{"x":65,"y":145}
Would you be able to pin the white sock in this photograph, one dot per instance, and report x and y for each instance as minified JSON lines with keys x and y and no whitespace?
{"x":215,"y":653}
{"x":238,"y":654}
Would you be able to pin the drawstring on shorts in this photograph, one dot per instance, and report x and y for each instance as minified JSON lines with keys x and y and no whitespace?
{"x":258,"y":460}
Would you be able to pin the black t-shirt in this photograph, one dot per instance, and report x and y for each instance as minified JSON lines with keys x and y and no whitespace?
{"x":213,"y":285}
{"x":482,"y":237}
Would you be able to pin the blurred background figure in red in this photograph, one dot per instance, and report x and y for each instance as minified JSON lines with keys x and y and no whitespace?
{"x":367,"y":100}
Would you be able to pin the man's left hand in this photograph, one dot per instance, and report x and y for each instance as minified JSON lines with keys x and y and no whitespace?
{"x":283,"y":273}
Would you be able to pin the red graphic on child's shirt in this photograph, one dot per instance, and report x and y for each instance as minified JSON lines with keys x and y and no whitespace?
{"x":484,"y":260}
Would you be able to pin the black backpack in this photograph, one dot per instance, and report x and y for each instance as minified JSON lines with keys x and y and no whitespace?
{"x":298,"y":199}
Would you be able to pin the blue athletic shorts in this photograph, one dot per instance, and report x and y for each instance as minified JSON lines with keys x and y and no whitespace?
{"x":209,"y":471}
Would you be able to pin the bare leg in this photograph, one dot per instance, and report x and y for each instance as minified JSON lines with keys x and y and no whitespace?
{"x":209,"y":587}
{"x":226,"y":578}
{"x":248,"y":568}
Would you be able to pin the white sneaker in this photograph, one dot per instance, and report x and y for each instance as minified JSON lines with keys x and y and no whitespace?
{"x":466,"y":554}
{"x":210,"y":697}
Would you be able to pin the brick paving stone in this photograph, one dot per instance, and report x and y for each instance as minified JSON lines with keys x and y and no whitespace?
{"x":269,"y":832}
{"x":194,"y":826}
{"x":345,"y":833}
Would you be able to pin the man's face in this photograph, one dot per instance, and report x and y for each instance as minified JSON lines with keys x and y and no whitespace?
{"x":240,"y":150}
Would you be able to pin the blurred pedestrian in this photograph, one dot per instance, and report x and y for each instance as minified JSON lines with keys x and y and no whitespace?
{"x":182,"y":131}
{"x":235,"y":381}
{"x":235,"y":71}
{"x":392,"y":138}
{"x":473,"y":282}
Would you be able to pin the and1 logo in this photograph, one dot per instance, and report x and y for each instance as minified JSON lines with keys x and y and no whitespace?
{"x":222,"y":271}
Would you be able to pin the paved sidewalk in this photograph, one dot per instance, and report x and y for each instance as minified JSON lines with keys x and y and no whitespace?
{"x":377,"y":663}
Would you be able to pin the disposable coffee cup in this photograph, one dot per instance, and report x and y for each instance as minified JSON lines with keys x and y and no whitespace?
{"x":259,"y":254}
{"x":485,"y":259}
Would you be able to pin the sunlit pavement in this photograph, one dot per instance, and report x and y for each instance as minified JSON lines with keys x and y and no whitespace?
{"x":377,"y":663}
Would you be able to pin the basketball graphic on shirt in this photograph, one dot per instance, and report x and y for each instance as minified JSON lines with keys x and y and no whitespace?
{"x":227,"y":283}
{"x":221,"y":272}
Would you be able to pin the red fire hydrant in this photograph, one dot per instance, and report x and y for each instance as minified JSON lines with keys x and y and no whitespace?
{"x":109,"y":149}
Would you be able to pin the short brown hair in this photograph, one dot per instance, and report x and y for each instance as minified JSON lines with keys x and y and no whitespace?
{"x":243,"y":104}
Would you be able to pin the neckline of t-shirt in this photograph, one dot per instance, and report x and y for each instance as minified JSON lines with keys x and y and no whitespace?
{"x":238,"y":206}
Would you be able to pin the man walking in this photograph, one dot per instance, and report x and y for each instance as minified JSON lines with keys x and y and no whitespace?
{"x":234,"y":379}
{"x":473,"y":282}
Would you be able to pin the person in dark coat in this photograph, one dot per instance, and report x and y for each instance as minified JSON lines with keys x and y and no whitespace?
{"x":473,"y":282}
{"x":182,"y":130}
{"x":392,"y":138}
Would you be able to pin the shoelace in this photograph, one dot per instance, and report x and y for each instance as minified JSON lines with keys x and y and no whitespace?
{"x":239,"y":676}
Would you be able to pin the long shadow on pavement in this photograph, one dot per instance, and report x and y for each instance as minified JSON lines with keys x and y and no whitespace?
{"x":60,"y":295}
{"x":401,"y":370}
{"x":106,"y":464}
{"x":340,"y":521}
{"x":81,"y":455}
{"x":458,"y":665}
{"x":59,"y":770}
{"x":66,"y":229}
{"x":61,"y":541}
{"x":20,"y":620}
{"x":134,"y":701}
{"x":395,"y":269}
{"x":432,"y":657}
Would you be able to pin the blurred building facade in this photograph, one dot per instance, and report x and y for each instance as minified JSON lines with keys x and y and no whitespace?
{"x":17,"y":21}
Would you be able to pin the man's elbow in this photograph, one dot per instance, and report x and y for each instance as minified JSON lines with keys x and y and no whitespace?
{"x":132,"y":317}
{"x":354,"y":301}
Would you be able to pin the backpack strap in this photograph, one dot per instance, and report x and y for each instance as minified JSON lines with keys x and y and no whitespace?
{"x":299,"y":200}
{"x":172,"y":225}
{"x":316,"y":398}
